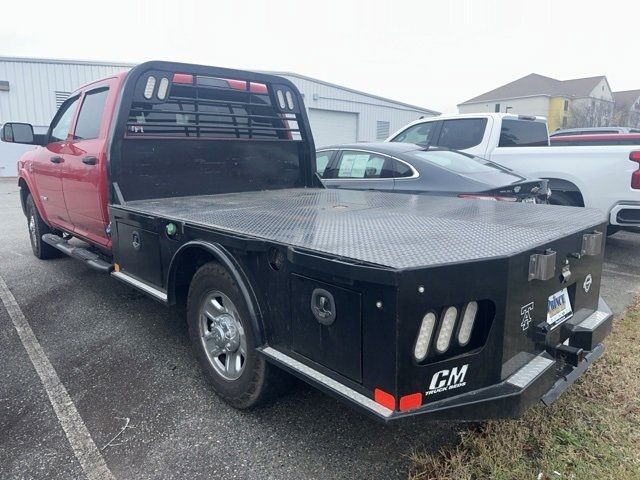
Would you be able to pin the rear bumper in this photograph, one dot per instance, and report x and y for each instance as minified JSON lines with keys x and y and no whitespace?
{"x":536,"y":381}
{"x":625,"y":214}
{"x":542,"y":378}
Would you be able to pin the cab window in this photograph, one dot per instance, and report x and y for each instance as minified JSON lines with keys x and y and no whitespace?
{"x":90,"y":116}
{"x":463,"y":133}
{"x":62,"y":121}
{"x":523,"y":133}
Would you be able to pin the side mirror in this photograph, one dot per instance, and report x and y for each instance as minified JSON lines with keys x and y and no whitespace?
{"x":18,"y":133}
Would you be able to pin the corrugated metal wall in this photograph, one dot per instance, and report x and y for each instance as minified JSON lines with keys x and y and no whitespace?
{"x":34,"y":85}
{"x":370,"y":109}
{"x":31,"y":97}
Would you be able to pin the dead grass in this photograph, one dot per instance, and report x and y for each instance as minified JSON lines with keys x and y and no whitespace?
{"x":591,"y":432}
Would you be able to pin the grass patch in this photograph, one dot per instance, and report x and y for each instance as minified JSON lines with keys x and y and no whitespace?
{"x":591,"y":432}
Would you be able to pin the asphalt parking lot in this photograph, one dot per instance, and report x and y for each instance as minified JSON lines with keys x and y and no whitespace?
{"x":125,"y":359}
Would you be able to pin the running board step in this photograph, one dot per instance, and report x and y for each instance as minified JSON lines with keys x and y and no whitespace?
{"x":90,"y":258}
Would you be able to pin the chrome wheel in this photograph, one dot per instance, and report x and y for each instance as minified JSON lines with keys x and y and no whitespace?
{"x":32,"y":229}
{"x":222,"y":335}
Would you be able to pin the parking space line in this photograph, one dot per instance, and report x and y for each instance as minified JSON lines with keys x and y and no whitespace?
{"x":82,"y":444}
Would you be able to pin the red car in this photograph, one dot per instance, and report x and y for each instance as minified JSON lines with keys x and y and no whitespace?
{"x":596,"y":139}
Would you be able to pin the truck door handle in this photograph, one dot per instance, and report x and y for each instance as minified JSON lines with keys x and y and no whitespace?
{"x":90,"y":160}
{"x":56,"y":159}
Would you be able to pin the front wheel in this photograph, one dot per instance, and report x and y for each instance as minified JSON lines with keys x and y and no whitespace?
{"x":224,"y":341}
{"x":37,"y":228}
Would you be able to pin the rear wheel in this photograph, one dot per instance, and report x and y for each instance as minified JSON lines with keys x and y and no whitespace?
{"x":224,"y":341}
{"x":37,"y":228}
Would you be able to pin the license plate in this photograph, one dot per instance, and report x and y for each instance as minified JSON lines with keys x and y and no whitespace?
{"x":529,"y":200}
{"x":558,"y":307}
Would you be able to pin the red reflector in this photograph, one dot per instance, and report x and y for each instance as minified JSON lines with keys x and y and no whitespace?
{"x":411,"y":401}
{"x":257,"y":88}
{"x":236,"y":84}
{"x":385,"y":399}
{"x":635,"y":156}
{"x":182,"y":78}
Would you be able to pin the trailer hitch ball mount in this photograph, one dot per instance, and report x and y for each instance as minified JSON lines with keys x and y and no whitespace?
{"x":571,"y":355}
{"x":561,"y":351}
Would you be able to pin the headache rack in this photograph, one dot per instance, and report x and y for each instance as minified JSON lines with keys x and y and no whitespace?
{"x":186,"y":105}
{"x":183,"y":130}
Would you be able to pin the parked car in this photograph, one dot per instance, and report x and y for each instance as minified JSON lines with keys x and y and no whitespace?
{"x":197,"y":184}
{"x":411,"y":168}
{"x":593,"y":131}
{"x":606,"y":178}
{"x":596,"y":140}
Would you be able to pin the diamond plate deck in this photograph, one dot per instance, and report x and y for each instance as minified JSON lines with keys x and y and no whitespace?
{"x":388,"y":229}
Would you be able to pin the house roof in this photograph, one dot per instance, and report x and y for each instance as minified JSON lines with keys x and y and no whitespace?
{"x":626,"y":98}
{"x":534,"y":84}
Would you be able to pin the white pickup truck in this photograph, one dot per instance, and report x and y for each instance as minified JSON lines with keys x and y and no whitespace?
{"x":602,"y":177}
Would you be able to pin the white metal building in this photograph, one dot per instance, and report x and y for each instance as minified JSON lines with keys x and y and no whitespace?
{"x":342,"y":115}
{"x":32,"y":89}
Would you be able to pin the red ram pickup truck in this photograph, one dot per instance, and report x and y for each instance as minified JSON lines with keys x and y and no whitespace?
{"x":198,"y":184}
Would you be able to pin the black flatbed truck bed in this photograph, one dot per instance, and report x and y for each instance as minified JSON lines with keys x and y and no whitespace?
{"x":340,"y":241}
{"x":398,"y":304}
{"x":376,"y":228}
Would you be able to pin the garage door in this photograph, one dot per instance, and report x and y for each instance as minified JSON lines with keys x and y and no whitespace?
{"x":330,"y":127}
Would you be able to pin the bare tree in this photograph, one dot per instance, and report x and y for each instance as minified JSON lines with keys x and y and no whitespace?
{"x":597,"y":113}
{"x":620,"y":115}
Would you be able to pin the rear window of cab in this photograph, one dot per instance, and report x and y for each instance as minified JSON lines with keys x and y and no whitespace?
{"x":523,"y":133}
{"x":457,"y":162}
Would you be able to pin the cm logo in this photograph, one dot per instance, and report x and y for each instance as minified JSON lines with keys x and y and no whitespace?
{"x":447,"y":379}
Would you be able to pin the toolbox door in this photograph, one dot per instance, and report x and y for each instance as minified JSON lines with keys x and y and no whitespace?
{"x":332,"y":335}
{"x":137,"y":252}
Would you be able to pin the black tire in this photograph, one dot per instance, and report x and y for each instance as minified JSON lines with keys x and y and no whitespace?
{"x":37,"y":228}
{"x":258,"y":380}
{"x":563,"y":198}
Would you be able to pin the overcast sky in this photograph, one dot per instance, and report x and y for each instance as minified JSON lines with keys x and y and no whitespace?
{"x":434,"y":54}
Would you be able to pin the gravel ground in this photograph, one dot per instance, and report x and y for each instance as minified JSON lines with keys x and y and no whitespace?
{"x":123,"y":356}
